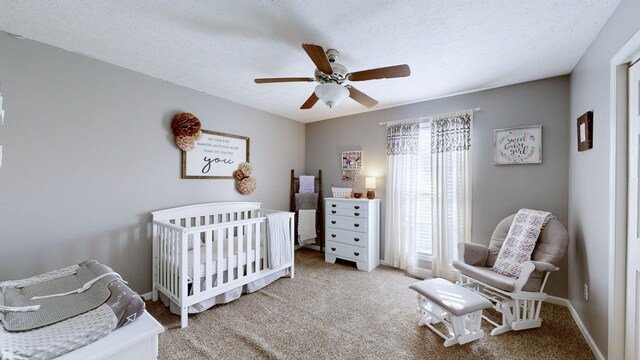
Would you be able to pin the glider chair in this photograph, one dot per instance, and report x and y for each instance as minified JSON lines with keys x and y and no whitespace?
{"x":519,"y":300}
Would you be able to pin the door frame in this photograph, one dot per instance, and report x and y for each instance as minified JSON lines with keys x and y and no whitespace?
{"x":618,"y":155}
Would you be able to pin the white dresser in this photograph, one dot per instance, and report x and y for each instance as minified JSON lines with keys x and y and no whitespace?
{"x":352,"y":231}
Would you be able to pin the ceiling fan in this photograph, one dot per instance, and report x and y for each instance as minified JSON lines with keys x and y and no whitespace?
{"x":331,"y":75}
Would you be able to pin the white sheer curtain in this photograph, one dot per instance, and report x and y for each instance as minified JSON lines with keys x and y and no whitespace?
{"x":451,"y":185}
{"x":402,"y":187}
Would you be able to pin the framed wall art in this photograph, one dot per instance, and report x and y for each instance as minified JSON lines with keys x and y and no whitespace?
{"x":215,"y":156}
{"x":352,"y":160}
{"x":585,"y":131}
{"x":521,"y":145}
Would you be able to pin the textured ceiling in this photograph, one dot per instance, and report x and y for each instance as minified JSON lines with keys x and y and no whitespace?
{"x":219,"y":47}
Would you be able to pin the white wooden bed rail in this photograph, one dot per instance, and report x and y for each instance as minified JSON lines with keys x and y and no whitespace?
{"x":222,"y":243}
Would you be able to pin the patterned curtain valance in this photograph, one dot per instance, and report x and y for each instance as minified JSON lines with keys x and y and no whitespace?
{"x":402,"y":138}
{"x":451,"y":133}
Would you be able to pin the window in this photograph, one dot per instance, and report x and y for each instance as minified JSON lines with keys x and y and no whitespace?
{"x":428,"y":192}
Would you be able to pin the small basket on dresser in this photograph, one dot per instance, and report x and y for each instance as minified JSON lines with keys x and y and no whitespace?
{"x":339,"y":192}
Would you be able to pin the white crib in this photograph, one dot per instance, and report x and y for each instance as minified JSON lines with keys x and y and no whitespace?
{"x":225,"y":244}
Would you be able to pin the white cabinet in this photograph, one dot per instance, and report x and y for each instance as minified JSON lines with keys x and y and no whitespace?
{"x":352,"y":231}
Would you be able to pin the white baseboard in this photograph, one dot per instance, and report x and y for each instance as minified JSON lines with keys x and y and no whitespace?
{"x":587,"y":337}
{"x":147,"y":296}
{"x":585,"y":332}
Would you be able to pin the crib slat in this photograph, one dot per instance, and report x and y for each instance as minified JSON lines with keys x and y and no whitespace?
{"x":176,"y":263}
{"x":172,"y":260}
{"x":169,"y":260}
{"x":176,"y":267}
{"x":196,"y":262}
{"x":241,"y":257}
{"x":219,"y":256}
{"x":230,"y":241}
{"x":258,"y":245}
{"x":172,"y":264}
{"x":208,"y":266}
{"x":249,"y":249}
{"x":183,"y":271}
{"x":160,"y":232}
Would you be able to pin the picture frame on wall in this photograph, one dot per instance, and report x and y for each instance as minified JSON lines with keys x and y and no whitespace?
{"x":585,"y":131}
{"x":215,"y":156}
{"x":352,"y":160}
{"x":520,"y":145}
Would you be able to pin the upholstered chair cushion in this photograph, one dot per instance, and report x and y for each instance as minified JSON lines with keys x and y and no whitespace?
{"x":497,"y":238}
{"x":488,"y":276}
{"x":550,"y":248}
{"x":473,"y":254}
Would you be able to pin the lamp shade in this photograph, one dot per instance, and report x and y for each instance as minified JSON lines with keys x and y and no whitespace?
{"x":331,"y":94}
{"x":370,"y":183}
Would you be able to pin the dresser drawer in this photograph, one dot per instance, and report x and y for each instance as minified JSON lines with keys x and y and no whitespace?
{"x":347,"y":212}
{"x":346,"y":223}
{"x":347,"y":205}
{"x":344,"y":251}
{"x":346,"y":237}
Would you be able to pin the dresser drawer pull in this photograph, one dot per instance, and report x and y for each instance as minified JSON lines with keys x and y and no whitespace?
{"x":356,"y":225}
{"x":356,"y":207}
{"x":356,"y":214}
{"x":333,"y":211}
{"x":333,"y":205}
{"x":333,"y":235}
{"x":356,"y":239}
{"x":333,"y":249}
{"x":333,"y":221}
{"x":356,"y":253}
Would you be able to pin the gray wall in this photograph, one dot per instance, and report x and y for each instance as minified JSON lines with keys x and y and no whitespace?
{"x":497,"y":190}
{"x":589,"y":185}
{"x":88,"y":153}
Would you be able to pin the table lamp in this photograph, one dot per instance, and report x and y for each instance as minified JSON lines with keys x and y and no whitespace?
{"x":370,"y":184}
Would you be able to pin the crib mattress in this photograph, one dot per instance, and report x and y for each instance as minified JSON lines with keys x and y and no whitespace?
{"x":121,"y":308}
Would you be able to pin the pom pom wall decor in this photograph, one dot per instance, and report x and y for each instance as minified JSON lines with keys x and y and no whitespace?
{"x":246,"y":186}
{"x":186,"y":128}
{"x":185,"y":124}
{"x":245,"y":168}
{"x":186,"y":143}
{"x":198,"y":136}
{"x":238,"y":175}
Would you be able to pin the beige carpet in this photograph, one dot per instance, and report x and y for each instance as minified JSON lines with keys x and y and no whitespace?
{"x":333,"y":311}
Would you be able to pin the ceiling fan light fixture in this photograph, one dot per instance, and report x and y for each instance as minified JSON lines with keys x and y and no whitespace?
{"x":331,"y":94}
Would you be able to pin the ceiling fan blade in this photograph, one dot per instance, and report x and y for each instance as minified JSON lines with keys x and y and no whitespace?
{"x":361,"y":97}
{"x":310,"y":102}
{"x":278,"y":80}
{"x":381,"y":73}
{"x":319,"y":58}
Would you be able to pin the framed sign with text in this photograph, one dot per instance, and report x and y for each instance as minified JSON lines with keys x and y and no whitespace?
{"x":522,"y":145}
{"x":215,"y":156}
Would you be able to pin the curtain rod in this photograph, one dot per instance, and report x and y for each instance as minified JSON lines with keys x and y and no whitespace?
{"x":428,"y":117}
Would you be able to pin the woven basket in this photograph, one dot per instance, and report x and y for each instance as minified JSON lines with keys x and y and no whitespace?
{"x":341,"y":192}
